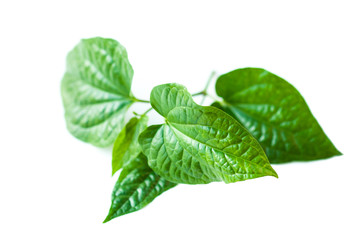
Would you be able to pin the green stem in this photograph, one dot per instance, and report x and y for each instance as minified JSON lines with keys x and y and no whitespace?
{"x":140,"y":100}
{"x":147,"y":111}
{"x":212,"y":97}
{"x":198,"y":94}
{"x":205,"y":93}
{"x":213,"y":73}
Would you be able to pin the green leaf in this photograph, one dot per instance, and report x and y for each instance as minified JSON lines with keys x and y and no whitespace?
{"x":199,"y":144}
{"x":275,"y":113}
{"x":96,"y":90}
{"x":126,"y":146}
{"x":137,"y":186}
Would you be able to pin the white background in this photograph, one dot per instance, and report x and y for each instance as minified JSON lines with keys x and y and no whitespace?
{"x":56,"y":187}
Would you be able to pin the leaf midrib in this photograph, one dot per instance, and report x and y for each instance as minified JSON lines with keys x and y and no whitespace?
{"x":132,"y":193}
{"x":231,"y":154}
{"x":105,"y":90}
{"x":301,"y":155}
{"x":90,"y":60}
{"x":104,"y":101}
{"x":248,"y":115}
{"x":189,"y":173}
{"x":113,"y":115}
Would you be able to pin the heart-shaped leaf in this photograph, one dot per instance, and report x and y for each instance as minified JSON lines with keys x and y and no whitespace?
{"x":137,"y":186}
{"x":275,"y":113}
{"x":199,"y":144}
{"x":96,"y":90}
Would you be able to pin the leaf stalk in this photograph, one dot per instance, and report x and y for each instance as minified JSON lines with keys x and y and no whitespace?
{"x":140,"y":100}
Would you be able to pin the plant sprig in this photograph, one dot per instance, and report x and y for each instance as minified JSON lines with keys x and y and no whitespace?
{"x":261,"y":119}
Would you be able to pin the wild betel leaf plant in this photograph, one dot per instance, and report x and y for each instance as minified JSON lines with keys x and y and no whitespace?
{"x":261,"y":119}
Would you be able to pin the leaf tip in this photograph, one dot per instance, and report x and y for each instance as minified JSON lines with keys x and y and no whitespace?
{"x":114,"y":171}
{"x":108,"y":218}
{"x":273,"y":173}
{"x":338,"y":153}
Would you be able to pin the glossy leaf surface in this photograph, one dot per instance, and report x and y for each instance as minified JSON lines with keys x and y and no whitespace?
{"x":199,"y":144}
{"x":96,"y":90}
{"x":137,"y":186}
{"x":126,"y":146}
{"x":275,"y":113}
